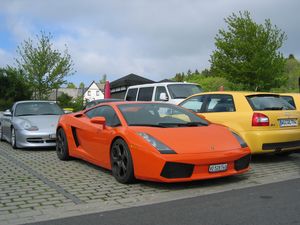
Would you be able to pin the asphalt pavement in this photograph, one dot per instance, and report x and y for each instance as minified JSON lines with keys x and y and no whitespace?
{"x":276,"y":203}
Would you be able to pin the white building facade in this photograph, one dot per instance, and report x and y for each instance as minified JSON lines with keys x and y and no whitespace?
{"x":94,"y":92}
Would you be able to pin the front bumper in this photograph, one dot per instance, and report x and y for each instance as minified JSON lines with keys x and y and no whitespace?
{"x":29,"y":139}
{"x":189,"y":167}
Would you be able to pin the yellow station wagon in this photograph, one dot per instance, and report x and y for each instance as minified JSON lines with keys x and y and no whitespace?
{"x":267,"y":122}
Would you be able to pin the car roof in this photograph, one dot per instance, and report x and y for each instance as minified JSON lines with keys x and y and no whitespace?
{"x":158,"y":84}
{"x":32,"y":101}
{"x":245,"y":93}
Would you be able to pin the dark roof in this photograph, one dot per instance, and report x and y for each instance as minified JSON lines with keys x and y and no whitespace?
{"x":165,"y":80}
{"x":129,"y":80}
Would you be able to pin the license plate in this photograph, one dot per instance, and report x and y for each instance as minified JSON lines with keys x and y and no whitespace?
{"x":217,"y":168}
{"x":288,"y":123}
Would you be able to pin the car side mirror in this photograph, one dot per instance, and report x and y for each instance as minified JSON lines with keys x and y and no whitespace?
{"x":163,"y":96}
{"x":7,"y":113}
{"x":99,"y":120}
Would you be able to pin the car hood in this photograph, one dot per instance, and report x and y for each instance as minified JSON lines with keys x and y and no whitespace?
{"x":44,"y":123}
{"x":190,"y":140}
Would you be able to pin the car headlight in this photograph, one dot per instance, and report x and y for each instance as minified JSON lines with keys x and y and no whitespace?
{"x":27,"y":126}
{"x":240,"y":140}
{"x":162,"y":148}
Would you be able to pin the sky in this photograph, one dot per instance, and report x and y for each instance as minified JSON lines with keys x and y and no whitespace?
{"x":155,"y":38}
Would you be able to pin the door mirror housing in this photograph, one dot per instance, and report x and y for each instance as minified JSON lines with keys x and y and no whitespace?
{"x":163,"y":96}
{"x":7,"y":113}
{"x":99,"y":120}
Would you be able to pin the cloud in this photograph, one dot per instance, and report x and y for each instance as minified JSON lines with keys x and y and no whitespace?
{"x":155,"y":38}
{"x":5,"y":58}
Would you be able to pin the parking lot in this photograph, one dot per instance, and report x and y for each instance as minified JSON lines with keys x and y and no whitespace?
{"x":35,"y":185}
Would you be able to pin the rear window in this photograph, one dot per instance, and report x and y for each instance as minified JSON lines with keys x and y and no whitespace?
{"x":145,"y":94}
{"x":131,"y":94}
{"x":268,"y":102}
{"x":289,"y":99}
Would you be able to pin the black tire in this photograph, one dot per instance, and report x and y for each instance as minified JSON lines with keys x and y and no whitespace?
{"x":121,"y":162}
{"x":62,"y":149}
{"x":13,"y":138}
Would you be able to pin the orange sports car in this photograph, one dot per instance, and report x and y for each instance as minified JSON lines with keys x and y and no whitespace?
{"x":151,"y":141}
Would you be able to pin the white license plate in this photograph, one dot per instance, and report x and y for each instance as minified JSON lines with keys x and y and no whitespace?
{"x":288,"y":123}
{"x":217,"y":168}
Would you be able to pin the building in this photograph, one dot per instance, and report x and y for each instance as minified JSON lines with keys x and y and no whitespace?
{"x":118,"y":87}
{"x":72,"y":92}
{"x":94,"y":92}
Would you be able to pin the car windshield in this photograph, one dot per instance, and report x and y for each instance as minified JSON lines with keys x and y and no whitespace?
{"x":183,"y":90}
{"x":159,"y":115}
{"x":269,"y":102}
{"x":289,"y":99}
{"x":37,"y":108}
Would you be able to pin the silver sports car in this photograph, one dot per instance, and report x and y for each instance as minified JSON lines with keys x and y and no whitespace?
{"x":30,"y":124}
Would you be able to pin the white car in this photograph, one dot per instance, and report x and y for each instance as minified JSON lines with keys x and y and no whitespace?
{"x":171,"y":92}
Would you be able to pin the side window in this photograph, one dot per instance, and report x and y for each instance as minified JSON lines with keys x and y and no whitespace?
{"x":131,"y":94}
{"x":194,"y":103}
{"x":145,"y":94}
{"x":159,"y":90}
{"x":107,"y":112}
{"x":220,"y":103}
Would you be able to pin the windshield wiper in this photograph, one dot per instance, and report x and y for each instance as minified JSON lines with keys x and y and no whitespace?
{"x":28,"y":114}
{"x":147,"y":125}
{"x":187,"y":124}
{"x":273,"y":108}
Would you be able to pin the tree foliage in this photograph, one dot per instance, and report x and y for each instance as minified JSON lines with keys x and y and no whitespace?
{"x":12,"y":87}
{"x":71,"y":85}
{"x":247,"y":53}
{"x":44,"y":68}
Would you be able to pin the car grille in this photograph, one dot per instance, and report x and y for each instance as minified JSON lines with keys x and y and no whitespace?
{"x":177,"y":170}
{"x":242,"y":163}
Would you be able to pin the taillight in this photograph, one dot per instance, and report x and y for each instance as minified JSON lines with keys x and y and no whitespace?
{"x":259,"y":119}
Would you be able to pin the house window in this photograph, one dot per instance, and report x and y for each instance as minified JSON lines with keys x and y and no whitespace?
{"x":97,"y":93}
{"x":89,"y":93}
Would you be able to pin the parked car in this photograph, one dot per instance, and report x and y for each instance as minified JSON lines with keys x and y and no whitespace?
{"x":30,"y":124}
{"x":264,"y":120}
{"x":151,"y":141}
{"x":172,"y":92}
{"x":292,"y":98}
{"x":98,"y":101}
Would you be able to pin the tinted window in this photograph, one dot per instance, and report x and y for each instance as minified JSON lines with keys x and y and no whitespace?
{"x":156,"y":114}
{"x":268,"y":102}
{"x":145,"y":94}
{"x":194,"y":103}
{"x":131,"y":94}
{"x":219,"y":103}
{"x":183,"y":90}
{"x":289,"y":99}
{"x":37,"y":108}
{"x":108,"y":112}
{"x":159,"y":90}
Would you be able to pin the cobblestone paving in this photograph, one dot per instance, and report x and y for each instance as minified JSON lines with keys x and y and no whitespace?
{"x":35,"y":185}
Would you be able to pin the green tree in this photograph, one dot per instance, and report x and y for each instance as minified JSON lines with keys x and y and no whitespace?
{"x":12,"y":87}
{"x":103,"y":79}
{"x":81,"y":85}
{"x":247,"y":53}
{"x":44,"y":68}
{"x":292,"y":72}
{"x":71,"y":85}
